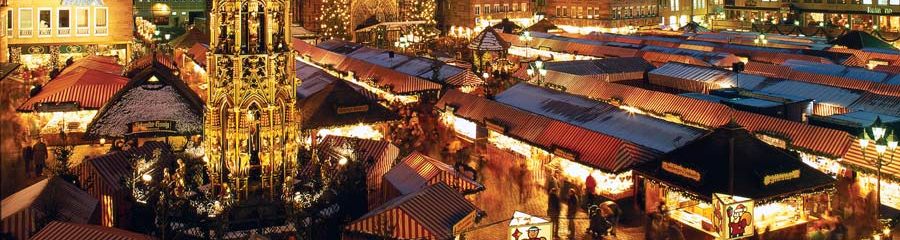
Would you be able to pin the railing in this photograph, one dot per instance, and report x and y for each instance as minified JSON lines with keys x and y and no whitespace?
{"x":44,"y":32}
{"x":25,"y":32}
{"x":83,"y":31}
{"x":63,"y":31}
{"x":101,"y":30}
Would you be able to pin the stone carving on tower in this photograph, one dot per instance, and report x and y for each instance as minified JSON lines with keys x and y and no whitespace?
{"x":251,"y":122}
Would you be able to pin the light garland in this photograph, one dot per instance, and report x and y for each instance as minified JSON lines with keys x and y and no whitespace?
{"x":334,"y":19}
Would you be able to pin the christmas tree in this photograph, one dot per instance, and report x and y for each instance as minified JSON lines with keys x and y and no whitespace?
{"x":334,"y":19}
{"x":424,"y":10}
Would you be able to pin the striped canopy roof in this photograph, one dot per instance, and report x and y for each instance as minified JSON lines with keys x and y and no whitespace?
{"x":107,"y":64}
{"x":418,"y":171}
{"x":74,"y":204}
{"x":89,"y":88}
{"x":115,"y":166}
{"x":65,"y":230}
{"x":436,"y":212}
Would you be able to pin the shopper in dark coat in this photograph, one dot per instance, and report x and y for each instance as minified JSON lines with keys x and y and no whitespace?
{"x":40,"y":156}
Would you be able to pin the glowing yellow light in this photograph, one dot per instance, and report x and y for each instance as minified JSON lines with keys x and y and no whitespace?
{"x":146,"y":177}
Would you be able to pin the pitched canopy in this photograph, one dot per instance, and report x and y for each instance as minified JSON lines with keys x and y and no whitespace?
{"x":862,"y":40}
{"x":489,"y":40}
{"x":732,"y":161}
{"x":338,"y":104}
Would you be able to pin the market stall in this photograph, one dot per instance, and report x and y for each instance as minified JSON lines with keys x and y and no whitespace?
{"x":418,"y":171}
{"x":379,"y":156}
{"x":729,"y":183}
{"x":24,"y":210}
{"x":487,"y":47}
{"x":155,"y":106}
{"x":436,"y":212}
{"x":331,"y":106}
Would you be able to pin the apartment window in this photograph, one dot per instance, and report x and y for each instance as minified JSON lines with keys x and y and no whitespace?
{"x":9,"y":22}
{"x":895,"y":2}
{"x":82,"y":19}
{"x":558,"y":11}
{"x":515,"y":7}
{"x":882,"y":2}
{"x":505,"y":7}
{"x":26,"y":21}
{"x":580,"y":12}
{"x":867,"y":2}
{"x":496,"y":8}
{"x":674,"y":4}
{"x":44,"y":22}
{"x":524,"y":7}
{"x":100,"y":20}
{"x":63,"y":18}
{"x":477,"y":10}
{"x":565,"y":11}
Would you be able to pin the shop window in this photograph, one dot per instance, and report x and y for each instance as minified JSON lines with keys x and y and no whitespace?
{"x":477,"y":10}
{"x":62,"y":21}
{"x":26,"y":22}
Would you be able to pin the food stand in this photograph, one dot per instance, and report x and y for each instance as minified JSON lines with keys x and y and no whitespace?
{"x":525,"y":227}
{"x":729,"y":185}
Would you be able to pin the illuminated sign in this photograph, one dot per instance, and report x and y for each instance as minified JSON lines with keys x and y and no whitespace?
{"x":878,"y":10}
{"x":733,"y":216}
{"x":353,"y":109}
{"x":159,"y":126}
{"x":526,"y":227}
{"x":565,"y":153}
{"x":681,"y":171}
{"x":56,"y":107}
{"x":778,"y":177}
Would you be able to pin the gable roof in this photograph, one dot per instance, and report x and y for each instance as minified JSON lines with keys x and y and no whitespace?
{"x":754,"y":161}
{"x":53,"y":194}
{"x":154,"y":93}
{"x":436,"y":212}
{"x":861,"y":40}
{"x":64,"y":230}
{"x":189,"y":38}
{"x":418,"y":171}
{"x":489,"y":40}
{"x":115,"y":166}
{"x":338,"y":104}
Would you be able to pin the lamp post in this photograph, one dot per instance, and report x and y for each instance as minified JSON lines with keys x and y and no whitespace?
{"x":537,"y":70}
{"x":884,"y":144}
{"x":526,"y":37}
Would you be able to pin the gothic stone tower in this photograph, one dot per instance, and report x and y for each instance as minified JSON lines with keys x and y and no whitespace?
{"x":251,"y":124}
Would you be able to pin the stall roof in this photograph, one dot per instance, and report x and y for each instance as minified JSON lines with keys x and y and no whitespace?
{"x":714,"y":58}
{"x":419,"y":171}
{"x":189,"y":38}
{"x":817,"y":92}
{"x":106,"y":64}
{"x":878,"y":103}
{"x":73,"y":204}
{"x":754,"y":161}
{"x":864,"y":118}
{"x":153,"y":94}
{"x":67,"y":230}
{"x":89,"y":88}
{"x":489,"y":40}
{"x":601,"y":66}
{"x":378,"y":155}
{"x":592,"y":148}
{"x":601,"y":117}
{"x":7,"y":68}
{"x":836,"y":70}
{"x":198,"y":53}
{"x":704,"y":74}
{"x":338,"y":104}
{"x":436,"y":212}
{"x":115,"y":166}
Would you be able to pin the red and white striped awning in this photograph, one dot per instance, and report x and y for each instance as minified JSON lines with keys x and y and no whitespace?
{"x":22,"y":211}
{"x":418,"y":171}
{"x":64,"y":230}
{"x":89,"y":88}
{"x":436,"y":212}
{"x":105,"y":64}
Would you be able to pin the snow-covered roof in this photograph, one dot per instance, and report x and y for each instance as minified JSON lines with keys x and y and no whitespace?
{"x":708,"y":75}
{"x":836,"y":70}
{"x":819,"y":93}
{"x":598,"y":116}
{"x":865,"y":118}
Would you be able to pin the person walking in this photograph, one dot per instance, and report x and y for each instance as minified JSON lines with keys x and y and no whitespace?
{"x":571,"y":210}
{"x":520,"y":177}
{"x":27,"y":157}
{"x":40,"y":156}
{"x":554,"y":208}
{"x":590,"y":186}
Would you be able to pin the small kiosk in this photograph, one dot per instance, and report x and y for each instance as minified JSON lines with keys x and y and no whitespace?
{"x":730,"y":185}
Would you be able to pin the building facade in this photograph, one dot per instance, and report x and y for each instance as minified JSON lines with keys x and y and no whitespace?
{"x":50,"y":31}
{"x":570,"y":15}
{"x":251,"y":124}
{"x":856,"y":14}
{"x":170,"y":13}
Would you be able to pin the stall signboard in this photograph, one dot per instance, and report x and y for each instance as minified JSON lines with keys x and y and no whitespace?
{"x":158,"y":126}
{"x":56,"y":107}
{"x":527,"y":227}
{"x":733,"y":216}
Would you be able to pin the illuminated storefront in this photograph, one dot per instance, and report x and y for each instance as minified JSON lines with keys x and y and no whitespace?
{"x":727,"y":188}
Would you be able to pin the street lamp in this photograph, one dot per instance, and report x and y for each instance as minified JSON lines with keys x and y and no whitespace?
{"x":526,"y":37}
{"x":538,"y":68}
{"x":884,"y":144}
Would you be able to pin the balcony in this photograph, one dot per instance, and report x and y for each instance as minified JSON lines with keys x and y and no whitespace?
{"x":44,"y":32}
{"x":63,"y":31}
{"x":101,"y":30}
{"x":83,"y":31}
{"x":26,"y":32}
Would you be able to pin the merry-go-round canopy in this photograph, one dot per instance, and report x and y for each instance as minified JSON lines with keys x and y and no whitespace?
{"x":731,"y":160}
{"x":489,"y":40}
